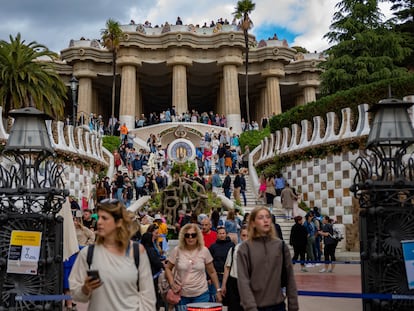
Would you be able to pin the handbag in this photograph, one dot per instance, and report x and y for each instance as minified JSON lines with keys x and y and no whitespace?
{"x":172,"y":298}
{"x":165,"y":290}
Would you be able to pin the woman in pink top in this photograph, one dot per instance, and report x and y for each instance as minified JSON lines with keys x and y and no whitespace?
{"x":191,"y":259}
{"x":207,"y":155}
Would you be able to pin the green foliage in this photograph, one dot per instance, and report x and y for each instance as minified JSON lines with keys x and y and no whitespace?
{"x":369,"y":94}
{"x":156,"y":201}
{"x":111,"y":143}
{"x":213,"y":202}
{"x":313,"y":152}
{"x":25,"y":81}
{"x":403,"y":23}
{"x":367,"y":50}
{"x":253,"y":138}
{"x":189,"y":167}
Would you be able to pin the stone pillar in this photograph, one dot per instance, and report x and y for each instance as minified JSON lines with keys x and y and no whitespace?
{"x":274,"y":104}
{"x":309,"y":94}
{"x":85,"y":99}
{"x":179,"y":88}
{"x":128,"y":96}
{"x":272,"y":76}
{"x":179,"y":82}
{"x":231,"y":97}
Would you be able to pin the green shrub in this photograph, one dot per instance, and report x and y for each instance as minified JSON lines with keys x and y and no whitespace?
{"x":189,"y":167}
{"x":111,"y":143}
{"x":253,"y":138}
{"x":365,"y":94}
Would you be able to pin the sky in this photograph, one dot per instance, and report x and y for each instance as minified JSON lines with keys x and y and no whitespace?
{"x":54,"y":23}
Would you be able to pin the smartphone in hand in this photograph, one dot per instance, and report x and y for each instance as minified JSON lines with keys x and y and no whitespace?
{"x":94,"y":274}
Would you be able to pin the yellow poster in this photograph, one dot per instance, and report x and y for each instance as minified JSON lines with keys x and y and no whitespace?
{"x":24,"y":252}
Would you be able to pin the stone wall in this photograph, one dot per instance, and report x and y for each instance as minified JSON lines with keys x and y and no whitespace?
{"x":81,"y":151}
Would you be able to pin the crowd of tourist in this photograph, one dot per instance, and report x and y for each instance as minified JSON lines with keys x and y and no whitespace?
{"x":211,"y":242}
{"x":179,"y":21}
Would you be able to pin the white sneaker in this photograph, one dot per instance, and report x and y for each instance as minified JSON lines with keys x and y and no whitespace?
{"x":309,"y":265}
{"x":322,"y":270}
{"x":318,"y":264}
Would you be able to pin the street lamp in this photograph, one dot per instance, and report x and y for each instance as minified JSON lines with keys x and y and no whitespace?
{"x":74,"y":87}
{"x":384,"y":187}
{"x":31,"y":236}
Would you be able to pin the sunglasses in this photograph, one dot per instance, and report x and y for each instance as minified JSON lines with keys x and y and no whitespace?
{"x":190,"y":235}
{"x":109,"y":201}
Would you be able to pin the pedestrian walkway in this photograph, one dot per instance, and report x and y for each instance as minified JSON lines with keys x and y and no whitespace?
{"x":345,"y":279}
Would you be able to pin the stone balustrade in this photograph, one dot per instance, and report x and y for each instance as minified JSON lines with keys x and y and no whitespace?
{"x":322,"y":182}
{"x":82,"y":150}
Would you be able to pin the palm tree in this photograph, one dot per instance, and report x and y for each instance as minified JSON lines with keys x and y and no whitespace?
{"x":111,"y":37}
{"x":243,"y":9}
{"x":27,"y":80}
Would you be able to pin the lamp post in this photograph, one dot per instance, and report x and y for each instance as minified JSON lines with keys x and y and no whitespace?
{"x":74,"y":87}
{"x":31,"y":236}
{"x":384,"y":187}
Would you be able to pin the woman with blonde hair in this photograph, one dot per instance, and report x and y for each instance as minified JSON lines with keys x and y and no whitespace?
{"x":261,"y":289}
{"x":118,"y":283}
{"x":84,"y":235}
{"x":190,"y":260}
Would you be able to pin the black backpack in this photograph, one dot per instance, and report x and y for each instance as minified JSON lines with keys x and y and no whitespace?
{"x":135,"y":248}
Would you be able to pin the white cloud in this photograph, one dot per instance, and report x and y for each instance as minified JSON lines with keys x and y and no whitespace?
{"x":54,"y":23}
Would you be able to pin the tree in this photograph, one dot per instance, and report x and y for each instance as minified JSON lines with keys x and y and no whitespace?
{"x":367,"y":50}
{"x":27,"y":80}
{"x":243,"y":9}
{"x":404,"y":24}
{"x":111,"y":37}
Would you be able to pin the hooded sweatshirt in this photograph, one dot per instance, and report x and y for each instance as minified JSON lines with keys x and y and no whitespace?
{"x":259,"y":269}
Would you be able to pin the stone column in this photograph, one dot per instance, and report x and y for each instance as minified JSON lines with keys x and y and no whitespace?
{"x":274,"y":104}
{"x":309,"y":94}
{"x":85,"y":99}
{"x":231,"y":97}
{"x":128,"y":102}
{"x":272,"y":76}
{"x":179,"y":89}
{"x":179,"y":82}
{"x":308,"y":85}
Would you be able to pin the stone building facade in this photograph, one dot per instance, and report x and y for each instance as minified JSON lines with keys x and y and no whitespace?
{"x":190,"y":68}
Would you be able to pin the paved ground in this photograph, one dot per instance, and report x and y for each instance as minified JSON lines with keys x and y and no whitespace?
{"x":346,"y":278}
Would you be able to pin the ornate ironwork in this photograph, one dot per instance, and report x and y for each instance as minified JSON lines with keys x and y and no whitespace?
{"x":384,"y":187}
{"x":31,"y":184}
{"x":31,"y":194}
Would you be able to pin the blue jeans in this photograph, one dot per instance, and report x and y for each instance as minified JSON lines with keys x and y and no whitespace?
{"x":227,"y":192}
{"x":221,"y":167}
{"x":182,"y":305}
{"x":207,"y":166}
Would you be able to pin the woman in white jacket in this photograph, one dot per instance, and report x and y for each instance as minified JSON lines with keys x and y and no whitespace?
{"x":120,"y":285}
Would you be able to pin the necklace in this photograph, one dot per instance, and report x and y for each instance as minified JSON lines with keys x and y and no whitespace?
{"x":190,"y":255}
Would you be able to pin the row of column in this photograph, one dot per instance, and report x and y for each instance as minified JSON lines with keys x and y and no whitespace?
{"x":228,"y":97}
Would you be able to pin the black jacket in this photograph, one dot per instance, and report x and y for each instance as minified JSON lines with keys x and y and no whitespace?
{"x":219,"y":252}
{"x":298,"y":236}
{"x":227,"y":182}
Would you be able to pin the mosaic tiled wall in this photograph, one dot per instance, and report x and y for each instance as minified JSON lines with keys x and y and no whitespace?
{"x":78,"y":179}
{"x":325,"y":183}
